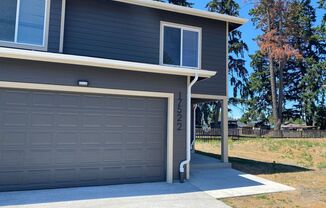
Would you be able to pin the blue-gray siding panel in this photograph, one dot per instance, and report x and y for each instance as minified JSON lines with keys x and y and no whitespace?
{"x":114,"y":30}
{"x":54,"y":26}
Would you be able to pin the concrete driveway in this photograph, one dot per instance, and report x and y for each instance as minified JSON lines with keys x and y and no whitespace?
{"x":147,"y":195}
{"x":208,"y":182}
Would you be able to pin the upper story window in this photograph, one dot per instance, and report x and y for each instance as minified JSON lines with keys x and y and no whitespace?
{"x":180,"y":45}
{"x":23,"y":23}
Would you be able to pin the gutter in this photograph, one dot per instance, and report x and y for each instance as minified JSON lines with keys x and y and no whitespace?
{"x":188,"y":139}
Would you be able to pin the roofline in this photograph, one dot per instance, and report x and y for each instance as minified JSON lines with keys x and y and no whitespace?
{"x":185,"y":10}
{"x":101,"y":62}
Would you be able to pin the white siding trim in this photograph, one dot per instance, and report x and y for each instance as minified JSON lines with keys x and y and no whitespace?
{"x":101,"y":62}
{"x":185,"y":10}
{"x":62,"y":25}
{"x":92,"y":90}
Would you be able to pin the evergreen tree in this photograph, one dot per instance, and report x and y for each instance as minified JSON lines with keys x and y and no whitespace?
{"x":178,"y":2}
{"x":237,"y":47}
{"x":303,"y":78}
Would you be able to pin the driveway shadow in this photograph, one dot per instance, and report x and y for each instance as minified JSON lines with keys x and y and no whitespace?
{"x":256,"y":167}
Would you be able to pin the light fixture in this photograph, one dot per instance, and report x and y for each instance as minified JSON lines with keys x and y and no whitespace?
{"x":83,"y":83}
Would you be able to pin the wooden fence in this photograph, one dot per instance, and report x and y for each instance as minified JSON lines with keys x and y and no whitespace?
{"x":245,"y":132}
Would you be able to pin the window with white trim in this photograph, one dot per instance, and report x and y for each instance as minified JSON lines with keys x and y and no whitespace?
{"x":23,"y":22}
{"x":180,"y":45}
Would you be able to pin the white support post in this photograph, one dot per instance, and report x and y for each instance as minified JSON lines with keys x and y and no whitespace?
{"x":225,"y":131}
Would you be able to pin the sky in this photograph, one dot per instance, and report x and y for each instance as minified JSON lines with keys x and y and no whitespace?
{"x":249,"y":32}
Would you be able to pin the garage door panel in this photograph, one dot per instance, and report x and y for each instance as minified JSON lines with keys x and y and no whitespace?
{"x":112,"y":155}
{"x":136,"y":121}
{"x":15,"y":119}
{"x":67,"y":120}
{"x":135,"y":137}
{"x":135,"y":154}
{"x":38,"y":156}
{"x":42,"y":119}
{"x":70,"y":101}
{"x":136,"y":104}
{"x":15,"y":98}
{"x":13,"y":138}
{"x":112,"y":173}
{"x":154,"y":171}
{"x":65,"y":156}
{"x":11,"y":178}
{"x":67,"y":175}
{"x":88,"y":156}
{"x":91,"y":138}
{"x":155,"y":137}
{"x":114,"y":120}
{"x":51,"y":139}
{"x":12,"y":157}
{"x":40,"y":138}
{"x":113,"y":137}
{"x":92,"y":120}
{"x":43,"y":99}
{"x":114,"y":103}
{"x":89,"y":174}
{"x":38,"y":176}
{"x":133,"y":172}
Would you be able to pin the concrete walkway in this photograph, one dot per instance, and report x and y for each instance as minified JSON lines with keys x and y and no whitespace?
{"x":227,"y":182}
{"x":146,"y":195}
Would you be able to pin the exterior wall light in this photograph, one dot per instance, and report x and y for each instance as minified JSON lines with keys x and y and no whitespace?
{"x":83,"y":83}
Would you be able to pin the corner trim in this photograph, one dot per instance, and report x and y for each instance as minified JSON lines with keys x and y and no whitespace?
{"x":92,"y":90}
{"x":101,"y":62}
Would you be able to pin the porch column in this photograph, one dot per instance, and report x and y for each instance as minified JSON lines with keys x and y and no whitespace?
{"x":225,"y":131}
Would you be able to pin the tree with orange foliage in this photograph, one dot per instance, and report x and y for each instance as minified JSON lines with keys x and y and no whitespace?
{"x":270,"y":16}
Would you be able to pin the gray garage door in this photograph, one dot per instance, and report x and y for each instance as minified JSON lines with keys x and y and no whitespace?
{"x":51,"y":139}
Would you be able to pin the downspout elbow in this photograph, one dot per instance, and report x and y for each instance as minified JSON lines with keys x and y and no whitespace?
{"x":188,"y":138}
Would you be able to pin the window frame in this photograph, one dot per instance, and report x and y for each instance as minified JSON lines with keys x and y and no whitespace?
{"x":182,"y":27}
{"x":44,"y":46}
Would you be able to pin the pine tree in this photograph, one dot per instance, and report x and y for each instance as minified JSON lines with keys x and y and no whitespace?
{"x":271,"y":17}
{"x":178,"y":2}
{"x":303,"y":78}
{"x":237,"y":47}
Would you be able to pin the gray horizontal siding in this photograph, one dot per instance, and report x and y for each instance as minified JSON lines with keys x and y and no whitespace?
{"x":54,"y":26}
{"x":114,"y":30}
{"x":64,"y":74}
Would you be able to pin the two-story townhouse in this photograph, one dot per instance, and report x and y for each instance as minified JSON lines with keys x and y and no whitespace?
{"x":96,"y":92}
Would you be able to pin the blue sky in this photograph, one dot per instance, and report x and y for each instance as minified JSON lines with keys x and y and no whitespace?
{"x":249,"y":32}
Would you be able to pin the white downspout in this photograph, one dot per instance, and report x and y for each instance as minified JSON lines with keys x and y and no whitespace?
{"x":188,"y":139}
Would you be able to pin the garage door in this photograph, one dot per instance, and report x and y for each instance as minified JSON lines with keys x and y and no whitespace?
{"x":51,"y":139}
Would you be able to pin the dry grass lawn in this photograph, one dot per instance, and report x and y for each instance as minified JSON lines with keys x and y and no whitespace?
{"x":300,"y":163}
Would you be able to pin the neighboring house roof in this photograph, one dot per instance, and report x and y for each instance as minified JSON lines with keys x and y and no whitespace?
{"x":237,"y":21}
{"x":101,"y":62}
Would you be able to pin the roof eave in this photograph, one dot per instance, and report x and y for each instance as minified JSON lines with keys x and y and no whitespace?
{"x":101,"y":62}
{"x":186,"y":10}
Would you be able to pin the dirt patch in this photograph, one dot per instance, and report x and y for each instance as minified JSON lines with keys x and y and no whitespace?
{"x":300,"y":163}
